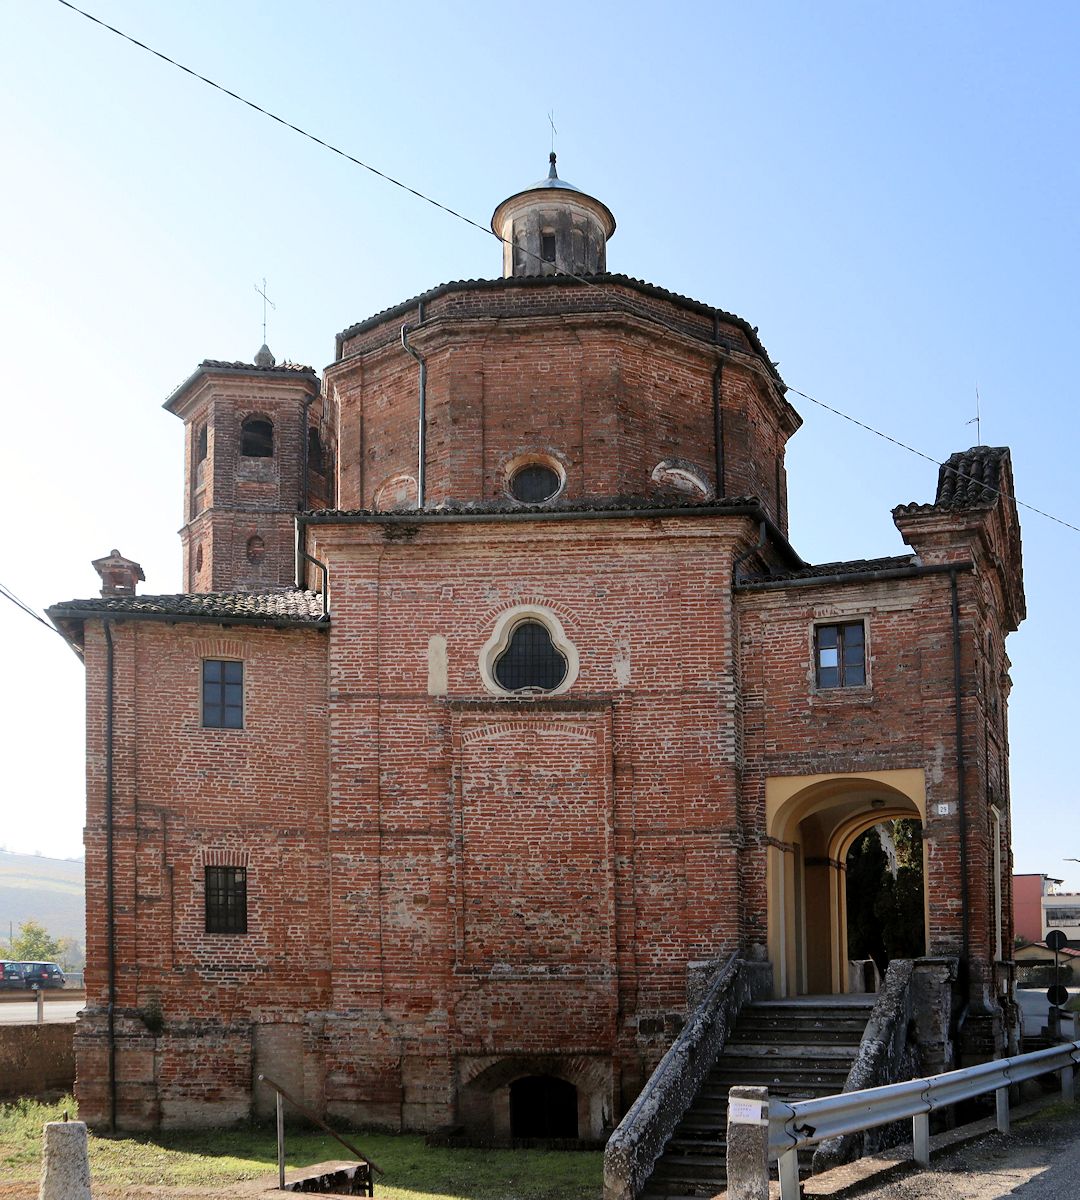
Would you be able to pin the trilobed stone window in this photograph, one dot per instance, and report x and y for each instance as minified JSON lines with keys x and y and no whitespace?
{"x":257,"y":438}
{"x":530,"y":660}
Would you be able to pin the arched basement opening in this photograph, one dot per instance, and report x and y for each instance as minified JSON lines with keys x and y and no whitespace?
{"x":543,"y":1106}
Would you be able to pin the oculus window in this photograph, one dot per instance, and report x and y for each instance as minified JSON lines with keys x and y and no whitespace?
{"x":534,"y":483}
{"x":222,"y":694}
{"x":226,"y":900}
{"x":530,"y":660}
{"x":840,"y":655}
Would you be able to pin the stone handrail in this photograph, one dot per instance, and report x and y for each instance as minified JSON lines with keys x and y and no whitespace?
{"x":886,"y":1054}
{"x":634,"y":1148}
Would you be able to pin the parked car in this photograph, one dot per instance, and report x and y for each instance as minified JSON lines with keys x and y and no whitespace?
{"x":11,"y":975}
{"x":42,"y":975}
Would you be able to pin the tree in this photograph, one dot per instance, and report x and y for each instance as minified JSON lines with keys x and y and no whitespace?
{"x":33,"y":943}
{"x":885,"y":907}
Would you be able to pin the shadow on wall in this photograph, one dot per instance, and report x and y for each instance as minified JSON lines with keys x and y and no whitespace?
{"x":36,"y":1061}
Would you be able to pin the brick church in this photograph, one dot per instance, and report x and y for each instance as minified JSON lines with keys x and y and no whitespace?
{"x":497,"y":704}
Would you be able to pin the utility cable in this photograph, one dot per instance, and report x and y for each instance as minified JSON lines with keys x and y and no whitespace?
{"x":7,"y":594}
{"x":929,"y":458}
{"x":506,"y":242}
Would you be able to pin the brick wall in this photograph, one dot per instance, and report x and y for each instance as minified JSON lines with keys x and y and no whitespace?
{"x":186,"y":797}
{"x":36,"y":1060}
{"x":607,"y":392}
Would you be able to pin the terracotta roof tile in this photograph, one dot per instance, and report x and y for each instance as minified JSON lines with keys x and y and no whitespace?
{"x":971,"y":478}
{"x":854,"y":566}
{"x":293,"y":607}
{"x":547,"y":281}
{"x":600,"y":505}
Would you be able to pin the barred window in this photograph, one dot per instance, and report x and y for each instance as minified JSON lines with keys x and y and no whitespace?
{"x":226,"y":900}
{"x":530,"y":660}
{"x":222,"y":694}
{"x":840,"y":653}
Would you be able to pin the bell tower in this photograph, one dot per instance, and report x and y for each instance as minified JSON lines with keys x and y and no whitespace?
{"x":252,"y":459}
{"x":553,"y":228}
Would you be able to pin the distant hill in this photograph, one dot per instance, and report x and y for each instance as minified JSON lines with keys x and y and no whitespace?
{"x":50,"y":891}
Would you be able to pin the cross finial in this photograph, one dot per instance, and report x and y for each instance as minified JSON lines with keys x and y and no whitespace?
{"x":554,"y":131}
{"x":266,"y":300}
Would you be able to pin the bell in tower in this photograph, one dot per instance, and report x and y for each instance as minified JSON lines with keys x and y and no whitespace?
{"x":553,"y":228}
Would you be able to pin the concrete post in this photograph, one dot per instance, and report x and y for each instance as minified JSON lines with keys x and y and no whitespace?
{"x":748,"y":1143}
{"x":65,"y":1163}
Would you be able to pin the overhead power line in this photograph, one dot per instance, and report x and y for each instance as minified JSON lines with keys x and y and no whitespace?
{"x":10,"y":596}
{"x":929,"y":458}
{"x":491,"y":233}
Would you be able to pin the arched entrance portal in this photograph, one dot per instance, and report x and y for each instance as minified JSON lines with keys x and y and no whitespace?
{"x":812,"y":822}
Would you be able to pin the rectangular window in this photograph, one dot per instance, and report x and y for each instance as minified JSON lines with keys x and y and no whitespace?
{"x":222,"y":694}
{"x":226,"y":900}
{"x":840,"y":654}
{"x":547,"y":247}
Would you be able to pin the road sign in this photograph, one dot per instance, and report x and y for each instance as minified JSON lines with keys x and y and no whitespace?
{"x":1057,"y":995}
{"x":1055,"y":940}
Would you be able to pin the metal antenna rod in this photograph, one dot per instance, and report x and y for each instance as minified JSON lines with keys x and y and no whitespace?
{"x":266,"y":300}
{"x":976,"y":420}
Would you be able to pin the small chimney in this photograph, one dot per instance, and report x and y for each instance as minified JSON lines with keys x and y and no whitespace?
{"x":119,"y":575}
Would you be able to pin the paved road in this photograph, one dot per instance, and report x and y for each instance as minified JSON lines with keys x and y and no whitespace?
{"x":24,"y":1012}
{"x":1034,"y":1007}
{"x":1039,"y":1160}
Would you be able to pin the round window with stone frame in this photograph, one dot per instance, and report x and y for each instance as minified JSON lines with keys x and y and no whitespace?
{"x":534,"y":481}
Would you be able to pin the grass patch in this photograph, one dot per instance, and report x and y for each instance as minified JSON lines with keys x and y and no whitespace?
{"x":216,"y":1158}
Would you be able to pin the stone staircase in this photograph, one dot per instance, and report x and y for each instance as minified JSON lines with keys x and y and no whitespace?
{"x":798,"y":1049}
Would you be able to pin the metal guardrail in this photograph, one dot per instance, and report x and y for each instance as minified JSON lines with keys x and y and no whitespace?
{"x":805,"y":1122}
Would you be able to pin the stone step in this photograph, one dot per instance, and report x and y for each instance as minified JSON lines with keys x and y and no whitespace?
{"x":676,"y":1192}
{"x":689,"y":1167}
{"x":851,"y":1026}
{"x":712,"y":1105}
{"x":776,"y":1075}
{"x":796,"y":1052}
{"x":767,"y":1032}
{"x":685,"y":1147}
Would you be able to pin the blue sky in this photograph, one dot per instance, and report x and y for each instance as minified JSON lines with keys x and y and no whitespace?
{"x":888,"y":191}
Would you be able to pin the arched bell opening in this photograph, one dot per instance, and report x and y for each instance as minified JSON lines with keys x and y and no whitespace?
{"x":813,"y":822}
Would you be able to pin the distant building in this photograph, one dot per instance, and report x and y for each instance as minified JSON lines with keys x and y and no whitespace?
{"x":1038,"y":906}
{"x":498,"y":705}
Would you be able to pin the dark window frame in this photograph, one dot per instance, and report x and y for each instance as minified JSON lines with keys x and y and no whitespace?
{"x":836,"y":663}
{"x":548,"y":247}
{"x":225,"y":899}
{"x":524,"y":478}
{"x":256,"y":437}
{"x":519,"y":657}
{"x":222,"y":705}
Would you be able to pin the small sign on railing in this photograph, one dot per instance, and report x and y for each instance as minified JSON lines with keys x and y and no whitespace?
{"x":747,"y":1112}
